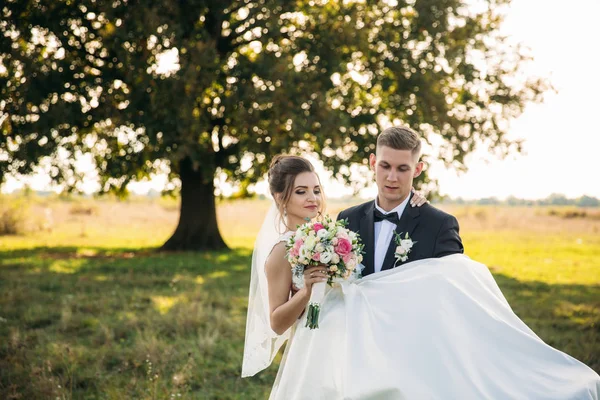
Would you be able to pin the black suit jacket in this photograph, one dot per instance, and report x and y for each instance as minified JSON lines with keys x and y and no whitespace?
{"x":435,"y":232}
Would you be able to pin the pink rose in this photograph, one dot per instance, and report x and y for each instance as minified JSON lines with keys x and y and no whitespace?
{"x":317,"y":226}
{"x":316,"y":256}
{"x":295,"y":251}
{"x":347,"y":258}
{"x":343,"y":247}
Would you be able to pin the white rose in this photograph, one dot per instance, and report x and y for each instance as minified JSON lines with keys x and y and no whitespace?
{"x":309,"y":243}
{"x":322,"y":233}
{"x":335,"y":259}
{"x":311,"y":233}
{"x":333,"y":268}
{"x":400,"y":250}
{"x":298,"y":235}
{"x":331,"y":225}
{"x":326,"y":257}
{"x":304,"y":253}
{"x":406,"y":244}
{"x":352,"y":235}
{"x":351,"y":264}
{"x":334,"y":241}
{"x":319,"y":248}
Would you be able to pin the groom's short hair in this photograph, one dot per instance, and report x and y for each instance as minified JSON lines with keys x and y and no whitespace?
{"x":400,"y":138}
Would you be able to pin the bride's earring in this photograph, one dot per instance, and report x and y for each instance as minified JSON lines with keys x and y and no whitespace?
{"x":285,"y":211}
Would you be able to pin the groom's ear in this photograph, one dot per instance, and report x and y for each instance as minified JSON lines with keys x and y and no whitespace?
{"x":418,"y":169}
{"x":372,"y":161}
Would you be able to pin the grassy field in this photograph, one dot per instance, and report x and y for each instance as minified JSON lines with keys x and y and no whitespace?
{"x":89,"y":310}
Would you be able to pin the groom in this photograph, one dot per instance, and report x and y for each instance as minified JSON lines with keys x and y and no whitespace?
{"x":433,"y":232}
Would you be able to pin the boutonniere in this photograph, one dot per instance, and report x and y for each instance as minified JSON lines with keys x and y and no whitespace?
{"x":403,"y":247}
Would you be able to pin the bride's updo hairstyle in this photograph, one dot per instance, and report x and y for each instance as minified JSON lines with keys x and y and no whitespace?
{"x":282,"y":174}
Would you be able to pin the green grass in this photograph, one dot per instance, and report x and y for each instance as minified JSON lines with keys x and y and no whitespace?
{"x":101,"y":315}
{"x":551,"y":282}
{"x":124,"y":323}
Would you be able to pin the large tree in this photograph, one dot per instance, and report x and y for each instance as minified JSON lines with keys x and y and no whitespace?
{"x":249,"y":79}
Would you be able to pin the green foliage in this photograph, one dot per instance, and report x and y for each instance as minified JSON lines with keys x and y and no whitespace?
{"x":16,"y":217}
{"x":588,"y":201}
{"x":254,"y":78}
{"x":13,"y":217}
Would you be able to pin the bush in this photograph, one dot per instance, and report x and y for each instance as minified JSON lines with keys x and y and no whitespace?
{"x":573,"y":213}
{"x":83,"y":209}
{"x":13,"y":217}
{"x":20,"y":215}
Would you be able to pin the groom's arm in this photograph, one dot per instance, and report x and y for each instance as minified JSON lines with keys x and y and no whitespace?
{"x":448,"y":240}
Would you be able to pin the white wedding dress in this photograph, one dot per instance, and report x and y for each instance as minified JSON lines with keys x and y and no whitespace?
{"x":429,"y":329}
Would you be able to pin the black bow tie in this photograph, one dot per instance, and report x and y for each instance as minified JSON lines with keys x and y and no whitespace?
{"x":392,"y":217}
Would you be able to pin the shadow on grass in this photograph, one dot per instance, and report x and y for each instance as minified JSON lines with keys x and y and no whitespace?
{"x":565,"y":316}
{"x":123,"y":260}
{"x":113,"y":315}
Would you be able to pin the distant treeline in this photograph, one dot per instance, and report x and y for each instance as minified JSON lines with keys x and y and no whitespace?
{"x":555,"y":199}
{"x":552,"y":200}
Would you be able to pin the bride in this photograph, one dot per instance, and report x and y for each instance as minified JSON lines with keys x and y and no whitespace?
{"x":437,"y":328}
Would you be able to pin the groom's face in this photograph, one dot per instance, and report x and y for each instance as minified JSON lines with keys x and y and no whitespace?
{"x":394,"y":174}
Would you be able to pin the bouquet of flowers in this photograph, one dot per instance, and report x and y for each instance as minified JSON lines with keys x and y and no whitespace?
{"x":328,"y":243}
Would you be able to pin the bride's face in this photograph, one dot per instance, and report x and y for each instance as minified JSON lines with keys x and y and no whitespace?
{"x":305,"y":200}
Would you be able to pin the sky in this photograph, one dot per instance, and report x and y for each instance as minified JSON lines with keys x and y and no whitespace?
{"x":562,"y":135}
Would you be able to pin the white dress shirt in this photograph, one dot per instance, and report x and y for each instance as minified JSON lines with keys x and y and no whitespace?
{"x":384,"y":233}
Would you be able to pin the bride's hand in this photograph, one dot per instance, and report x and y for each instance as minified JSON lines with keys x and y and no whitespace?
{"x":314,"y":275}
{"x":418,"y":199}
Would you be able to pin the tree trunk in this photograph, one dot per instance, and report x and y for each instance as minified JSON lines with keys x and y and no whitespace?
{"x":197,"y":228}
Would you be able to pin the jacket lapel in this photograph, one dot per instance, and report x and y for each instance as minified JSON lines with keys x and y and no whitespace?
{"x":408,"y":222}
{"x":367,"y":234}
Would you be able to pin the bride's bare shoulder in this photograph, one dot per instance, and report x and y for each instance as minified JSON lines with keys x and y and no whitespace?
{"x":277,"y":258}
